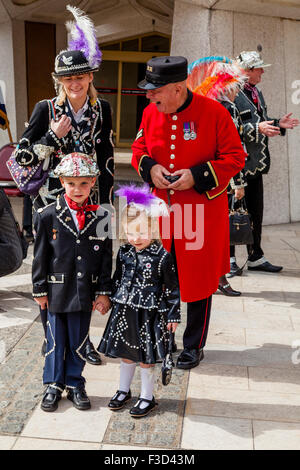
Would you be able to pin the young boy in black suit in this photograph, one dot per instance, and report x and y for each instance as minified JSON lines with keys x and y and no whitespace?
{"x":71,"y":276}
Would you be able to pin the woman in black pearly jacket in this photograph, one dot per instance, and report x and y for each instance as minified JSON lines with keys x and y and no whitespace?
{"x":73,"y":121}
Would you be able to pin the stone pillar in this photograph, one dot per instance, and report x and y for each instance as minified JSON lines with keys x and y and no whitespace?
{"x":19,"y":47}
{"x":292,"y":83}
{"x":13,"y":77}
{"x":199,"y":32}
{"x":7,"y":79}
{"x":190,"y":35}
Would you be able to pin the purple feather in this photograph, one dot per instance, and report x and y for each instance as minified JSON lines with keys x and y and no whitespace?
{"x":81,"y":43}
{"x":136,"y":194}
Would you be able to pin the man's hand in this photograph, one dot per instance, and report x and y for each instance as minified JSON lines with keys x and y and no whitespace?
{"x":102,"y":304}
{"x":287,"y":122}
{"x":186,"y":180}
{"x":42,"y":301}
{"x":266,"y":128}
{"x":61,"y":127}
{"x":157,"y":173}
{"x":239,"y":193}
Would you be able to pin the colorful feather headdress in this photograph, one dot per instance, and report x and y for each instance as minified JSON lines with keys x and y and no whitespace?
{"x":83,"y":36}
{"x":215,"y":77}
{"x":141,"y":199}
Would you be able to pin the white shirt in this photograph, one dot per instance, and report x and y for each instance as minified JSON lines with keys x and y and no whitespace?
{"x":73,"y":214}
{"x":77,"y":116}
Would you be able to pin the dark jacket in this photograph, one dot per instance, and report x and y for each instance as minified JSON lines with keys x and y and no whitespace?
{"x":39,"y":141}
{"x":71,"y":267}
{"x":147,"y":279}
{"x":258,"y":160}
{"x":239,"y":180}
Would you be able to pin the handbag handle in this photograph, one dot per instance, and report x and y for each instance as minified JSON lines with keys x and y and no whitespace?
{"x":171,"y":341}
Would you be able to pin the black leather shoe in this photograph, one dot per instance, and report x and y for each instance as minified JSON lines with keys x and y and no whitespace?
{"x":227,"y":290}
{"x":27,"y":232}
{"x":79,"y":398}
{"x":189,"y":358}
{"x":266,"y":267}
{"x":116,"y":404}
{"x":137,"y":412}
{"x":235,"y":270}
{"x":44,"y":348}
{"x":91,"y":355}
{"x":51,"y":398}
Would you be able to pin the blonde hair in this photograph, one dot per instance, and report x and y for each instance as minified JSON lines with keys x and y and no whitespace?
{"x":131,"y":214}
{"x":61,"y":93}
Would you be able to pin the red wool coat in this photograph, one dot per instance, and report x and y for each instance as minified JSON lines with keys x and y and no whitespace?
{"x":199,"y":223}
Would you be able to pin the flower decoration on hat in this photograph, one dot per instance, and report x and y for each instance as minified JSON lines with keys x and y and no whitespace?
{"x":77,"y":164}
{"x":141,"y":199}
{"x":215,"y":76}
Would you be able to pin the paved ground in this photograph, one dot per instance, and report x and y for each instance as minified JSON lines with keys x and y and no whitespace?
{"x":244,"y":395}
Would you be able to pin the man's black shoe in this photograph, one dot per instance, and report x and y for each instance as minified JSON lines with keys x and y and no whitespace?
{"x":116,"y":404}
{"x":227,"y":290}
{"x":27,"y":232}
{"x":235,"y":270}
{"x":79,"y":398}
{"x":138,"y":412}
{"x":51,"y":398}
{"x":91,"y":355}
{"x":189,"y":358}
{"x":264,"y":266}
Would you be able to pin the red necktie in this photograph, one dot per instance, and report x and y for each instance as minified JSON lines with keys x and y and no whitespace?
{"x":80,"y":210}
{"x":254,"y":94}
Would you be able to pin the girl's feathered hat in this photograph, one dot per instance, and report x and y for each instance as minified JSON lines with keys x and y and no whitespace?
{"x":141,"y":199}
{"x":77,"y":164}
{"x":83,"y":54}
{"x":215,"y":77}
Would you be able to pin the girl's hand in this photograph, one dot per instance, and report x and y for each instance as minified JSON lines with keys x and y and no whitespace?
{"x":102,"y":304}
{"x":172,"y":327}
{"x":42,"y":301}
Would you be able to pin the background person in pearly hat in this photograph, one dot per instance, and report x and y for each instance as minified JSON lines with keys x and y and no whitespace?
{"x":258,"y":127}
{"x":74,"y":120}
{"x":191,"y":138}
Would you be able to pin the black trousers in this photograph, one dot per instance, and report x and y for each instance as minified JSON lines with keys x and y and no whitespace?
{"x":27,"y":213}
{"x":198,"y":317}
{"x":254,"y":197}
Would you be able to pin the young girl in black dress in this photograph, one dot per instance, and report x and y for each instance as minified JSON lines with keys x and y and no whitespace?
{"x":145,"y":299}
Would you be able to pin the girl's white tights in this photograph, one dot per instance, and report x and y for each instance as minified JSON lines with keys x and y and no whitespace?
{"x":147,"y":379}
{"x":126,"y":375}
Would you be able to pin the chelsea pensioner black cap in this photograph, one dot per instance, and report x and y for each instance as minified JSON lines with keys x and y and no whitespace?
{"x":163,"y":70}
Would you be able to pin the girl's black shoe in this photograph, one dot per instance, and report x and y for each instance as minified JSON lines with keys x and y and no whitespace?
{"x":138,"y":412}
{"x":116,"y":404}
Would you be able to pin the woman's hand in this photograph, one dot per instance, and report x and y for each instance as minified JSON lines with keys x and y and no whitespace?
{"x":239,"y":193}
{"x":42,"y":301}
{"x":172,"y":327}
{"x":61,"y":127}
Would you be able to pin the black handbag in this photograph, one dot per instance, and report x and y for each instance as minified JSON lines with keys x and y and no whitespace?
{"x":240,"y":224}
{"x":168,"y":364}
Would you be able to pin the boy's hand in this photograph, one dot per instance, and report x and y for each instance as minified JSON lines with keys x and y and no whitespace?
{"x":102,"y":304}
{"x":172,"y":327}
{"x":42,"y":301}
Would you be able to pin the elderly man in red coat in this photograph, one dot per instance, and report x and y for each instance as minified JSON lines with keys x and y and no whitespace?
{"x":193,"y":140}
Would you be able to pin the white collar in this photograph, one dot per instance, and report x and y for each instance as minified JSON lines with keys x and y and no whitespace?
{"x":80,"y":112}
